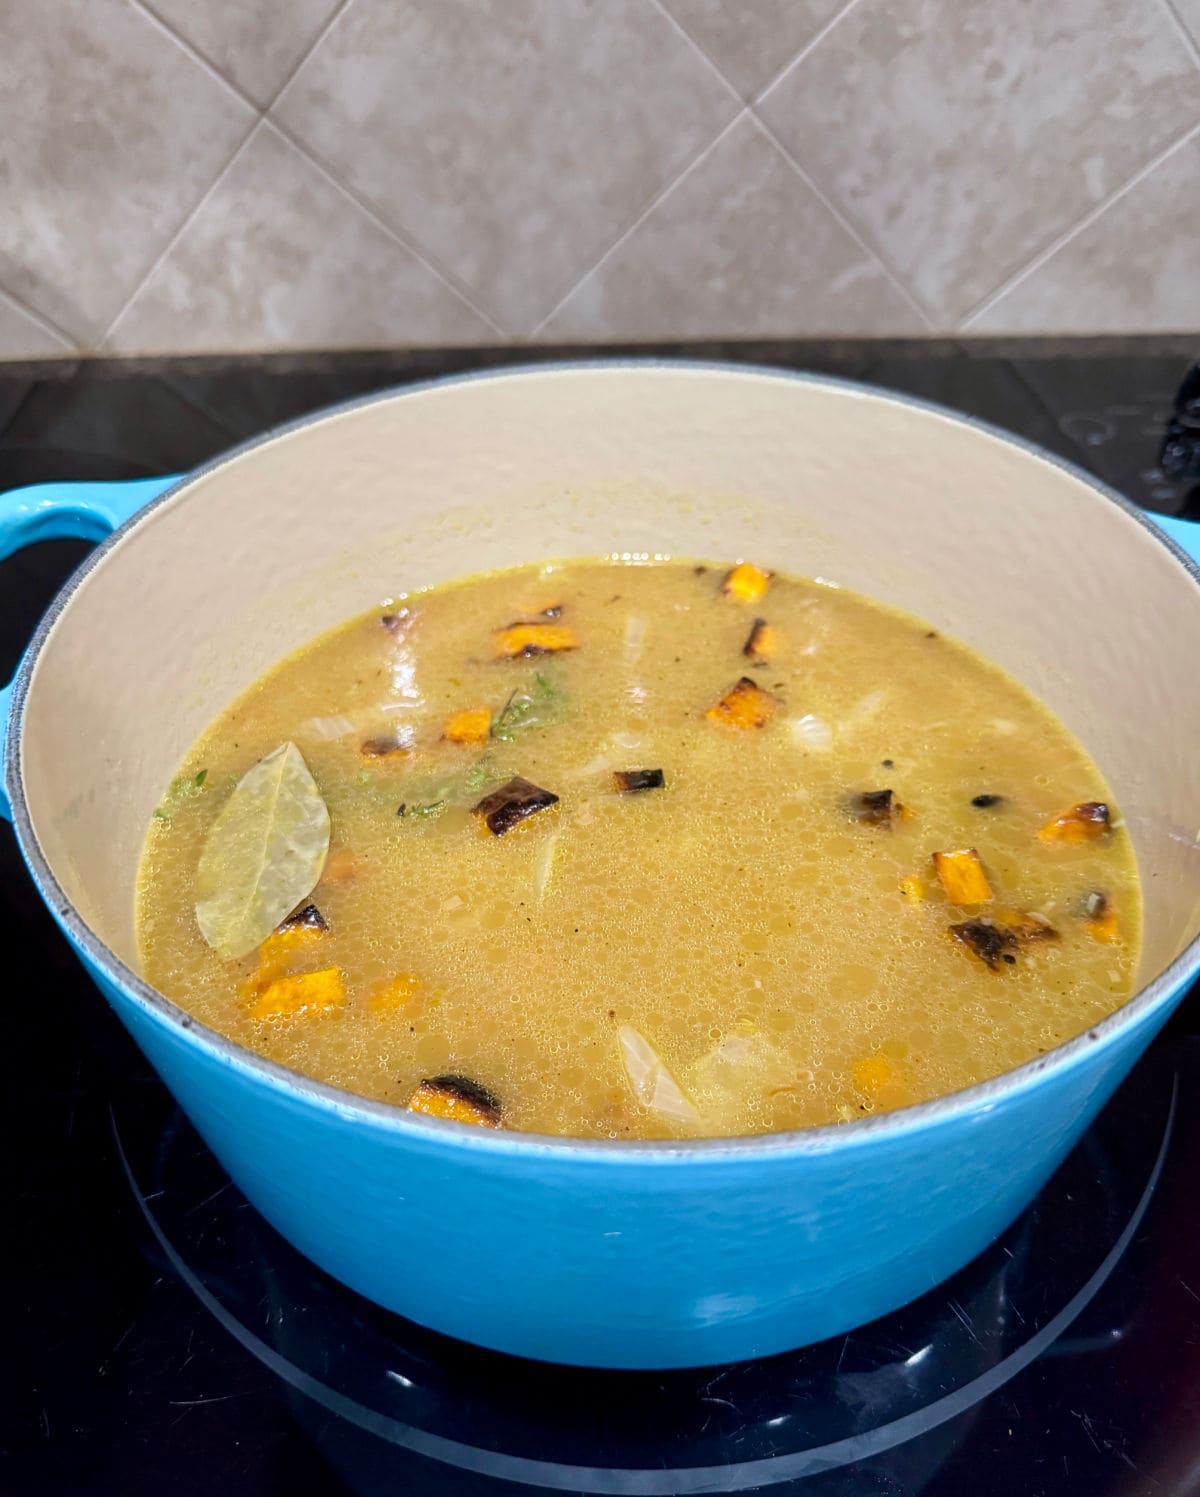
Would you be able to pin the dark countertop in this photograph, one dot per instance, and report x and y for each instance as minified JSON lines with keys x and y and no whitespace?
{"x":117,"y":1380}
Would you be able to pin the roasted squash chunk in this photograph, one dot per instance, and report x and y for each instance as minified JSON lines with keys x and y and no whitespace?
{"x":913,"y":888}
{"x":997,"y":942}
{"x":630,"y":781}
{"x":991,"y":943}
{"x":513,"y":802}
{"x":472,"y":725}
{"x":458,"y":1098}
{"x":395,"y":994}
{"x":962,"y":876}
{"x":523,"y":639}
{"x":744,"y":705}
{"x":745,"y":583}
{"x":304,"y":995}
{"x":293,"y":934}
{"x":1086,"y":822}
{"x":764,"y":643}
{"x":1101,"y":912}
{"x":878,"y":808}
{"x":387,"y":747}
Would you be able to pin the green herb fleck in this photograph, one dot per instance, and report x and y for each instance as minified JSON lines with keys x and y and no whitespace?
{"x":428,"y":809}
{"x":182,"y":788}
{"x":539,"y":705}
{"x":363,"y":776}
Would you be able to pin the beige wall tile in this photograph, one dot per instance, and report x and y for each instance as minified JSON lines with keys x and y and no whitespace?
{"x":740,"y":247}
{"x":279,"y":257}
{"x":253,"y":43}
{"x":1136,"y":268}
{"x":750,"y":43}
{"x":110,"y":135}
{"x":963,"y":136}
{"x":512,"y":139}
{"x":1188,"y":12}
{"x":23,"y":337}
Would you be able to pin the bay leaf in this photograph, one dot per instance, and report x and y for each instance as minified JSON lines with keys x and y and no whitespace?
{"x":263,"y":854}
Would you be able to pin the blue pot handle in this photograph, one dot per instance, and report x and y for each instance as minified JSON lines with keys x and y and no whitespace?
{"x":63,"y":511}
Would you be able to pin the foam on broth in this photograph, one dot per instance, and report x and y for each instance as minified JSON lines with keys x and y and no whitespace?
{"x":739,"y":917}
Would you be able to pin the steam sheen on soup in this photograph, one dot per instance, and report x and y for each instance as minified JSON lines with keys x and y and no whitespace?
{"x":640,"y":849}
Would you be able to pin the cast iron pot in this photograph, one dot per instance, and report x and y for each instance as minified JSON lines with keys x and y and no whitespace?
{"x":608,"y":1254}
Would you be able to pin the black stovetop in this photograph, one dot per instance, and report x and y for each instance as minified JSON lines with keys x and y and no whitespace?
{"x":160,"y":1338}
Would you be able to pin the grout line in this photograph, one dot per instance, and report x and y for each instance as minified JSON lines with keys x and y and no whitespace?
{"x":639,"y":219}
{"x":181,"y":230}
{"x":835,"y":20}
{"x":409,"y":246}
{"x":927,"y":318}
{"x":1190,"y":42}
{"x":74,"y":345}
{"x":985,"y":304}
{"x":151,"y":15}
{"x":704,"y":56}
{"x":322,"y":33}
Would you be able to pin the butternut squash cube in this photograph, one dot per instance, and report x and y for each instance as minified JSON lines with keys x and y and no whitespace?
{"x":395,"y":994}
{"x":744,"y":705}
{"x":472,"y":725}
{"x":962,"y":876}
{"x":458,"y":1098}
{"x":1102,"y":922}
{"x":913,"y":888}
{"x":1086,"y":822}
{"x":745,"y":583}
{"x":303,"y":996}
{"x":765,"y":642}
{"x":521,"y":640}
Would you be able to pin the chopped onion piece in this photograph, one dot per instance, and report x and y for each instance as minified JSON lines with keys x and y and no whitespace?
{"x":635,"y":637}
{"x":544,"y":866}
{"x":653,"y":1085}
{"x":812,"y":732}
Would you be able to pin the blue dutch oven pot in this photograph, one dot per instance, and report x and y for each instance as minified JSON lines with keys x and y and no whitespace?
{"x":609,"y":1254}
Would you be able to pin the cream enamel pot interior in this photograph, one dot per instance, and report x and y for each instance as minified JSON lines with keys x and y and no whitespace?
{"x":637,"y":1255}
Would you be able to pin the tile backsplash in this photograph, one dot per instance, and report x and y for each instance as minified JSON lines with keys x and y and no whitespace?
{"x":197,"y":176}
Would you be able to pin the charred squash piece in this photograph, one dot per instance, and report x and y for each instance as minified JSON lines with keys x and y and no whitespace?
{"x":878,"y":808}
{"x":472,"y":725}
{"x":764,"y":643}
{"x":384,"y":748}
{"x":504,"y":808}
{"x":1101,"y":912}
{"x":1086,"y":822}
{"x":395,"y":994}
{"x":744,"y":705}
{"x":295,"y":933}
{"x":962,"y":876}
{"x":746,"y":583}
{"x":303,"y":996}
{"x":523,"y":639}
{"x":913,"y":888}
{"x":630,"y":781}
{"x":458,"y":1098}
{"x":994,"y":945}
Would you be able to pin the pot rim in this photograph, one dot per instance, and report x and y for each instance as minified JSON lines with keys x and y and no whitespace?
{"x":821,"y":1139}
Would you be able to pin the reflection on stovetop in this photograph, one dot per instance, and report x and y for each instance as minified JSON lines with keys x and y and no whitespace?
{"x":162,"y":1339}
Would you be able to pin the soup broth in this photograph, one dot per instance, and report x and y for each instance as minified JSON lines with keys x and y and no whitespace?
{"x":630,"y":850}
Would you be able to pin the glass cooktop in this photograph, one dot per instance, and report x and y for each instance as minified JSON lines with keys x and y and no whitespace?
{"x":159,"y":1337}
